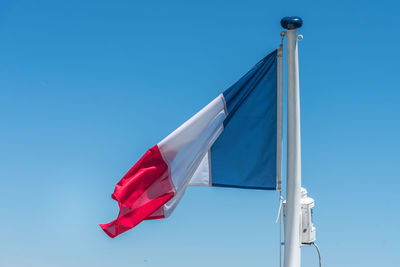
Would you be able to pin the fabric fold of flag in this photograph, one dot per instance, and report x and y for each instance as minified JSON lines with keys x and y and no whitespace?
{"x":232,"y":142}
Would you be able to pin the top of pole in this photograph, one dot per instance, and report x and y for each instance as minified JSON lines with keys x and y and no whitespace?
{"x":291,"y":23}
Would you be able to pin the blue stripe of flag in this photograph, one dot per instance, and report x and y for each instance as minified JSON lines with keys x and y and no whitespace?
{"x":244,"y":155}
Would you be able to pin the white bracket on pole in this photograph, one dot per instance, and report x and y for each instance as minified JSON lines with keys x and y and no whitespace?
{"x":293,"y":183}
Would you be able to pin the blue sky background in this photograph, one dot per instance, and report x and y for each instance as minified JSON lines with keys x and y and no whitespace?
{"x":87,"y":86}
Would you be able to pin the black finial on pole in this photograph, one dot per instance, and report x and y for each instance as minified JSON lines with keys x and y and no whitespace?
{"x":291,"y":23}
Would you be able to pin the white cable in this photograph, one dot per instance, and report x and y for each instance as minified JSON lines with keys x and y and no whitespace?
{"x":280,"y":207}
{"x":279,"y":217}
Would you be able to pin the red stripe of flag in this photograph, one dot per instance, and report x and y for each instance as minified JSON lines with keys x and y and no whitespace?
{"x":141,"y":193}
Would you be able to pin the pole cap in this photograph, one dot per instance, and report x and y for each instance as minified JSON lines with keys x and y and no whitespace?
{"x":291,"y":23}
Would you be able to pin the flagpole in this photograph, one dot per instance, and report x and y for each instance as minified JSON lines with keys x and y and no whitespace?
{"x":293,"y":185}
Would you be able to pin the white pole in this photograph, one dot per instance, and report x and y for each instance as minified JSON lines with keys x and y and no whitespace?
{"x":293,"y":184}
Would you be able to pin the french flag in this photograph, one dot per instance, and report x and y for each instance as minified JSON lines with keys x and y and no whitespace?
{"x":234,"y":141}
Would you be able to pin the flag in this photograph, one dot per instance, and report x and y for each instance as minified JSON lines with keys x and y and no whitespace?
{"x":234,"y":141}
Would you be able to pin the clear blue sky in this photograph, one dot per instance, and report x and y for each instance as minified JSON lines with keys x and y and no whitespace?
{"x":87,"y":86}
